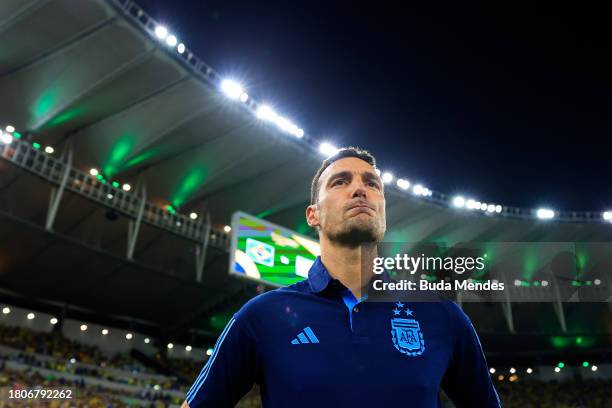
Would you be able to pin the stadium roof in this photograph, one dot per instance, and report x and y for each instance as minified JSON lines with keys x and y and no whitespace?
{"x":92,"y":78}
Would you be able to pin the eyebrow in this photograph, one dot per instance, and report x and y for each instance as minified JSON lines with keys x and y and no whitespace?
{"x":368,"y":176}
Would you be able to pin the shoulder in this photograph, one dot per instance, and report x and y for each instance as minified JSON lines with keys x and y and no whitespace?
{"x":272,"y":301}
{"x":456,"y":316}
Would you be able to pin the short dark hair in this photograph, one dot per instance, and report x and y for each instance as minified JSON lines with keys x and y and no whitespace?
{"x":350,"y":151}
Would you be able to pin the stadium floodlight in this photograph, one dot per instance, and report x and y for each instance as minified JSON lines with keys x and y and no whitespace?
{"x":10,"y":129}
{"x":327,"y":149}
{"x":557,"y":369}
{"x":607,"y":215}
{"x":418,"y":189}
{"x":544,"y":283}
{"x":49,"y":150}
{"x":53,"y":320}
{"x":387,"y":177}
{"x":227,"y":229}
{"x":187,"y":348}
{"x":492,"y":370}
{"x":31,"y":316}
{"x":491,"y":208}
{"x":244,"y":97}
{"x":171,"y":40}
{"x":147,"y":340}
{"x":545,"y":213}
{"x":126,"y":187}
{"x":498,"y":208}
{"x":471,"y":204}
{"x":94,"y":172}
{"x":161,"y":32}
{"x":193,"y":216}
{"x":181,"y":48}
{"x":209,"y":351}
{"x":293,"y":129}
{"x":83,"y":327}
{"x":231,"y":88}
{"x":517,"y":282}
{"x":6,"y":137}
{"x":512,"y":370}
{"x":597,"y":281}
{"x":265,"y":112}
{"x":459,"y":201}
{"x":170,"y":346}
{"x":403,"y":184}
{"x":104,"y":332}
{"x":6,"y":310}
{"x":483,"y":206}
{"x":529,"y":370}
{"x":129,"y":336}
{"x":284,"y":124}
{"x":594,"y":368}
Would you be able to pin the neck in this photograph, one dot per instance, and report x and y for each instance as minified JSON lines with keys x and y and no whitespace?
{"x":345,"y":264}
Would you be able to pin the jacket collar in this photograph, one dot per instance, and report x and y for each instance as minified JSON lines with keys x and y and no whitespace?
{"x":319,"y":278}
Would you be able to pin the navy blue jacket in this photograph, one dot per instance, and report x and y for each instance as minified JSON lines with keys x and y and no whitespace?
{"x":312,"y":344}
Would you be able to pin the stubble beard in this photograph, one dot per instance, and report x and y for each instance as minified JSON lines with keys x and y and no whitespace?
{"x":355,"y":233}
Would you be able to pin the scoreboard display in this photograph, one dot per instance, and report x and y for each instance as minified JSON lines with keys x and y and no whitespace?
{"x":269,"y":253}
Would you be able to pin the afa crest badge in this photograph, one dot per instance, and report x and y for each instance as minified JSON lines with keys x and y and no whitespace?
{"x":406,"y":333}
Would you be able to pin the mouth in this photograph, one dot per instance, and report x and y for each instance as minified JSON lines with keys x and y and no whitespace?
{"x":360,"y":209}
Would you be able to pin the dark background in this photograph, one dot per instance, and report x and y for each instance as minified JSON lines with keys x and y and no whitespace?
{"x":506,"y":103}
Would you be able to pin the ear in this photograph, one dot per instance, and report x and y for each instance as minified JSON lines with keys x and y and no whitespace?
{"x":312,"y":216}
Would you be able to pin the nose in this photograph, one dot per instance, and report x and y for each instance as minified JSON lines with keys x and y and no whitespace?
{"x":360,"y":191}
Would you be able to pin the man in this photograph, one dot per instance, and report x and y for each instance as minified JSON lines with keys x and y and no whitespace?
{"x":317,"y":343}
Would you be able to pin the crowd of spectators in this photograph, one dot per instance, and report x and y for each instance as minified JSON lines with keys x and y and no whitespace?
{"x":64,"y":356}
{"x":82,"y":395}
{"x":104,"y":373}
{"x":30,"y":379}
{"x":186,"y":368}
{"x":56,"y":345}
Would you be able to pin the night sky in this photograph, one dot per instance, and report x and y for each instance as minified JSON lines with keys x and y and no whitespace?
{"x":503,"y":103}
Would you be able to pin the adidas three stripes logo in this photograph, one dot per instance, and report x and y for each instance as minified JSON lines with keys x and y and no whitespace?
{"x":306,"y":336}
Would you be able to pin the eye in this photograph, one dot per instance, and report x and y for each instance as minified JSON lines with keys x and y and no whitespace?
{"x":373,"y":184}
{"x":338,"y":182}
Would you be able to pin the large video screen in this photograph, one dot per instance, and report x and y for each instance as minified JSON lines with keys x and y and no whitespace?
{"x":269,"y":253}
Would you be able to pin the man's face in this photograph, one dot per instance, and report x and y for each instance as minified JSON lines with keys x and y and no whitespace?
{"x":351,"y":205}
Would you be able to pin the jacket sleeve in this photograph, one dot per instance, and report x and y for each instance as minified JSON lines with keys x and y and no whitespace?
{"x":230,"y":371}
{"x":467,"y":381}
